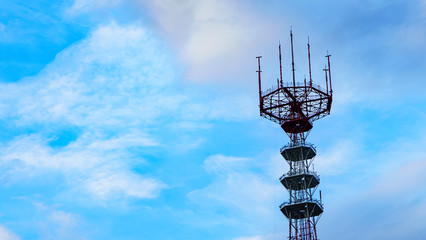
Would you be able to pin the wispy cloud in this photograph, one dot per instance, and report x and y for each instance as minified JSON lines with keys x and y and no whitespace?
{"x":123,"y":94}
{"x":337,"y":158}
{"x":85,"y":6}
{"x":271,"y":236}
{"x":96,"y":167}
{"x":116,"y":88}
{"x":6,"y":234}
{"x":401,"y":181}
{"x":239,"y":186}
{"x":215,"y":39}
{"x":369,"y":199}
{"x":57,"y":224}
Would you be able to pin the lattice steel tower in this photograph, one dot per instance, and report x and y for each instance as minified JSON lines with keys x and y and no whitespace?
{"x":295,"y":106}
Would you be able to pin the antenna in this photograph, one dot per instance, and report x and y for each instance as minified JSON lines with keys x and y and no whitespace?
{"x":309,"y":59}
{"x":260,"y":85}
{"x":281,"y":69}
{"x":329,"y":71}
{"x":292,"y":60}
{"x":306,"y":96}
{"x":326,"y":80}
{"x":279,"y":102}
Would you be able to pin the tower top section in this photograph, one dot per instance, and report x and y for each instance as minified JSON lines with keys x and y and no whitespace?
{"x":295,"y":104}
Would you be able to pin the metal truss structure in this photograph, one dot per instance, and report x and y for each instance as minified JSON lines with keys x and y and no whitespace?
{"x":295,"y":106}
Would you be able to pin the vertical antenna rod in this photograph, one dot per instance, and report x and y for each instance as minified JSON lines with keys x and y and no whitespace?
{"x":326,"y":80}
{"x":281,"y":68}
{"x":292,"y":61}
{"x":309,"y":59}
{"x":260,"y":85}
{"x":306,"y":96}
{"x":279,"y":101}
{"x":329,"y":71}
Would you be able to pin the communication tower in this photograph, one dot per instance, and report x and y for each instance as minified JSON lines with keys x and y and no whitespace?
{"x":295,"y":106}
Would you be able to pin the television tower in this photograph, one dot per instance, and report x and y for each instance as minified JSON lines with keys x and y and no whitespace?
{"x":295,"y":106}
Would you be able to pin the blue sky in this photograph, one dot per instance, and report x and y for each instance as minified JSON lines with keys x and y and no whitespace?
{"x":138,"y":119}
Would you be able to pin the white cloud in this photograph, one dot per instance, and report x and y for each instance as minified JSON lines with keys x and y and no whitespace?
{"x":401,"y":181}
{"x":117,"y":86}
{"x":382,"y":187}
{"x":224,"y":164}
{"x":6,"y":234}
{"x":110,"y":184}
{"x":249,"y":238}
{"x":240,"y":187}
{"x":84,"y":6}
{"x":216,"y":40}
{"x":245,"y":191}
{"x":398,"y":170}
{"x":271,"y":236}
{"x":102,"y":81}
{"x":117,"y":76}
{"x":100,"y":168}
{"x":58,"y":224}
{"x":61,"y":225}
{"x":410,"y":34}
{"x":337,"y":158}
{"x":112,"y":87}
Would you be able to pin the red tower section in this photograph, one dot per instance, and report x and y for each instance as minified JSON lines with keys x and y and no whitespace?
{"x":295,"y":106}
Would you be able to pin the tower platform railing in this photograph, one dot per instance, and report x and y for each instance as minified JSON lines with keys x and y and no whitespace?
{"x":302,"y":200}
{"x":299,"y":172}
{"x":298,"y":144}
{"x":290,"y":85}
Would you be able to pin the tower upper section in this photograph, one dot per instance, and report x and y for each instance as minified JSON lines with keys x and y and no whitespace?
{"x":296,"y":105}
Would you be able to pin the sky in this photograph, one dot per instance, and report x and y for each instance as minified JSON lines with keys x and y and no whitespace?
{"x":138,"y":119}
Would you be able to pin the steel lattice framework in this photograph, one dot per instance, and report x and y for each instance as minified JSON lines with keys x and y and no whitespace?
{"x":295,"y":106}
{"x":284,"y":103}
